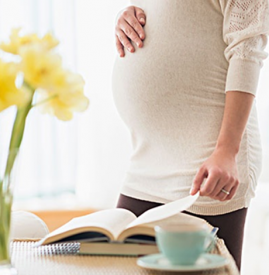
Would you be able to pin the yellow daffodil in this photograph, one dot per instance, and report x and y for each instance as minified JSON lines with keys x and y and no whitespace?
{"x":62,"y":105}
{"x":65,"y":100}
{"x":16,"y":42}
{"x":58,"y":91}
{"x":49,"y":41}
{"x":9,"y":93}
{"x":42,"y":68}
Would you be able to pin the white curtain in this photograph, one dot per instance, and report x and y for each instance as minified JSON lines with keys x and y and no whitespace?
{"x":88,"y":156}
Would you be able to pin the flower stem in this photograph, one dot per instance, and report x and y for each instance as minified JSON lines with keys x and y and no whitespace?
{"x":6,"y":195}
{"x":17,"y":133}
{"x":5,"y":212}
{"x":45,"y":100}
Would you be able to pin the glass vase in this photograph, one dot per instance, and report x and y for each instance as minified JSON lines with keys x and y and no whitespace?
{"x":8,"y":171}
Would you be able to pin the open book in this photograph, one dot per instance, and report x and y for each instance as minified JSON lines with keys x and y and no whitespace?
{"x":119,"y":230}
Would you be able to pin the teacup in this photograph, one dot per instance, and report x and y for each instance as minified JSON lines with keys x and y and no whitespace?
{"x":183,"y":244}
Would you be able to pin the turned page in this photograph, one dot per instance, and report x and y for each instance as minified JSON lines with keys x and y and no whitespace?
{"x":113,"y":220}
{"x":164,"y":211}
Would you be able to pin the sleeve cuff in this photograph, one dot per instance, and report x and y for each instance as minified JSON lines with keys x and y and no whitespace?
{"x":137,"y":3}
{"x":242,"y":75}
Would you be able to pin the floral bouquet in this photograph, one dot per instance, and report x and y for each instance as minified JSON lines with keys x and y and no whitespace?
{"x":36,"y":78}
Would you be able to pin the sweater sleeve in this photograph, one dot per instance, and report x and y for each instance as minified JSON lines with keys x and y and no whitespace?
{"x":245,"y":31}
{"x":137,"y":3}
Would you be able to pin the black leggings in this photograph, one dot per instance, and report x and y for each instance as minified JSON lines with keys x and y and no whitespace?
{"x":231,"y":225}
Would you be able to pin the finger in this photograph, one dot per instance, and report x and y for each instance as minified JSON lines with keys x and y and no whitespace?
{"x":232,"y":183}
{"x":130,"y":29}
{"x":119,"y":47}
{"x":221,"y":196}
{"x":140,"y":15}
{"x":233,"y":191}
{"x":198,"y":180}
{"x":129,"y":23}
{"x":125,"y":41}
{"x":211,"y":182}
{"x":224,"y":180}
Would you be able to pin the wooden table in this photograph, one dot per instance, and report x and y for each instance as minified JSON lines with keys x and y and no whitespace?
{"x":61,"y":259}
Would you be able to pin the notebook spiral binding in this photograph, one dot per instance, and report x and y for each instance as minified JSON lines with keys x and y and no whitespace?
{"x":52,"y":249}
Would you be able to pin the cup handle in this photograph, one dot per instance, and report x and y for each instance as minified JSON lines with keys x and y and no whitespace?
{"x":212,"y":242}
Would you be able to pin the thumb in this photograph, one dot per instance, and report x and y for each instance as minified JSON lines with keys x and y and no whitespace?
{"x":197,"y":182}
{"x":140,"y":15}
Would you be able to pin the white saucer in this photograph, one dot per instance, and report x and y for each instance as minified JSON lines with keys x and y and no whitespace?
{"x":159,"y":262}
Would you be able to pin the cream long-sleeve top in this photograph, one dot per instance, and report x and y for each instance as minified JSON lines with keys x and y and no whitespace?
{"x":171,"y":95}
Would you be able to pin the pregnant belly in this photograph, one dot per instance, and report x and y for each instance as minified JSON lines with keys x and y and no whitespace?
{"x":172,"y":82}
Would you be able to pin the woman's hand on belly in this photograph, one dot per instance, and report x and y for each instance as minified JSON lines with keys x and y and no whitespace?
{"x":220,"y":171}
{"x":129,"y":26}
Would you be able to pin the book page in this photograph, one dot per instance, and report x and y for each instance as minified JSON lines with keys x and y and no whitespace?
{"x":113,"y":220}
{"x":164,"y":211}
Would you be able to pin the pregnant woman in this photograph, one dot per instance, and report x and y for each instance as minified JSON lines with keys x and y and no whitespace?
{"x":184,"y":83}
